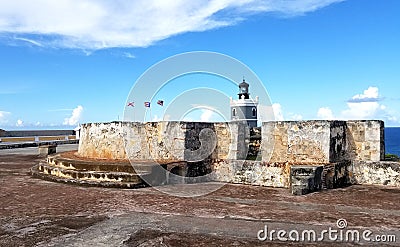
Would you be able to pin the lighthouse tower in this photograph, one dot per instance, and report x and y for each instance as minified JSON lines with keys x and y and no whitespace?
{"x":244,"y":108}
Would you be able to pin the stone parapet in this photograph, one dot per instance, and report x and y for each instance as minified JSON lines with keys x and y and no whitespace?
{"x":376,"y":172}
{"x":303,"y":141}
{"x":322,"y":141}
{"x":180,"y":141}
{"x":366,"y":140}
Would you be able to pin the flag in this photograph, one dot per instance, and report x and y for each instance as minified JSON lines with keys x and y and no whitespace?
{"x":160,"y":102}
{"x":146,"y":104}
{"x":131,"y":104}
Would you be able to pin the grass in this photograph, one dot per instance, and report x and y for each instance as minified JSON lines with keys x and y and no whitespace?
{"x":392,"y":157}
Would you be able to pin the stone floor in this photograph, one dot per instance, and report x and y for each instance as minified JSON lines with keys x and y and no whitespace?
{"x":34,"y":212}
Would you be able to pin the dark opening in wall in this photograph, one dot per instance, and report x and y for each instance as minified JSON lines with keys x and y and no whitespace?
{"x":254,"y":152}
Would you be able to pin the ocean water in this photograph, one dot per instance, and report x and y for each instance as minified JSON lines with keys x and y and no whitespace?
{"x":392,"y":140}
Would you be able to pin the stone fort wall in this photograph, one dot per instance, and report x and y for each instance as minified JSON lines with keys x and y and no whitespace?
{"x":343,"y":151}
{"x":282,"y":141}
{"x":323,"y":141}
{"x":163,"y":141}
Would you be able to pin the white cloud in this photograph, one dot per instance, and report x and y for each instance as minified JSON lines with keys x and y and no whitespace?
{"x":277,"y":111}
{"x":30,"y":41}
{"x":325,"y":113}
{"x":206,"y":115}
{"x":370,"y":95}
{"x":280,"y":115}
{"x":361,"y":110}
{"x":75,"y":116}
{"x":129,"y":55}
{"x":19,"y":123}
{"x":295,"y":117}
{"x":96,"y":24}
{"x":3,"y":116}
{"x":363,"y":106}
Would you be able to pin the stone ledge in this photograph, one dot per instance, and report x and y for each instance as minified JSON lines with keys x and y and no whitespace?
{"x":37,"y":172}
{"x":376,"y":172}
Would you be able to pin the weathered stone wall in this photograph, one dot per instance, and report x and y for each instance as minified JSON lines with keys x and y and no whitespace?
{"x":254,"y":144}
{"x":376,"y":172}
{"x":338,"y":142}
{"x":164,"y":141}
{"x":290,"y":141}
{"x":366,"y":140}
{"x":296,"y":141}
{"x":323,"y":141}
{"x":105,"y":140}
{"x":300,"y":178}
{"x":305,"y":179}
{"x":251,"y":172}
{"x":303,"y":155}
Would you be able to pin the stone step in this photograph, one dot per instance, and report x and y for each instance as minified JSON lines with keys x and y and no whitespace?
{"x":99,"y":165}
{"x":91,"y":178}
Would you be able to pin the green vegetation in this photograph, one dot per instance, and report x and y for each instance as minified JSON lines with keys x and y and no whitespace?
{"x":392,"y":157}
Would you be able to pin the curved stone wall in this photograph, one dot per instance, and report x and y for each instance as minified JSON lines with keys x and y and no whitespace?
{"x":103,"y":140}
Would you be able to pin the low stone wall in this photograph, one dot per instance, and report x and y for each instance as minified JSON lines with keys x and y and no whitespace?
{"x":252,"y":172}
{"x":376,"y":172}
{"x":300,"y":178}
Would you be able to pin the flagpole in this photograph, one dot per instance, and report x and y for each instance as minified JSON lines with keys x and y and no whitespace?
{"x":163,"y":112}
{"x":150,"y":114}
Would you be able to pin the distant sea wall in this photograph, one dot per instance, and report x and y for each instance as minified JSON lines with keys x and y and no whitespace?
{"x":25,"y":133}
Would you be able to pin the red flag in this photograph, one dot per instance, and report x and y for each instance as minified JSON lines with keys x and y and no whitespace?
{"x":146,"y":104}
{"x":160,"y":102}
{"x":131,"y":104}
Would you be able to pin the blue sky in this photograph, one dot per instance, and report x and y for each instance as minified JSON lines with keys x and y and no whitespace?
{"x":68,"y":62}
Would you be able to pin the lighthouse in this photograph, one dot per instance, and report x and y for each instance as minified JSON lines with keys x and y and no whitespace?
{"x":244,"y":108}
